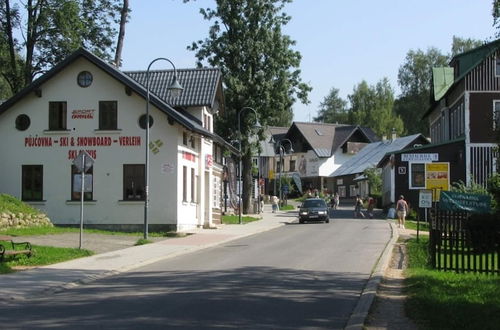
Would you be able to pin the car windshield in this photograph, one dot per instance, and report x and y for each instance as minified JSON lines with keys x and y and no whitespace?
{"x":314,"y":203}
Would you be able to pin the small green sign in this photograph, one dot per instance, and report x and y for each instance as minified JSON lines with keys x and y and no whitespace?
{"x":455,"y":201}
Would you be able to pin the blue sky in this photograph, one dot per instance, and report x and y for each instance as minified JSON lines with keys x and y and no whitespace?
{"x":342,"y":42}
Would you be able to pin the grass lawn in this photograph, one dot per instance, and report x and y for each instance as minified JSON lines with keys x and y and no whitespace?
{"x":447,"y":300}
{"x":46,"y":230}
{"x":287,"y":208}
{"x":42,"y":255}
{"x":410,"y":224}
{"x":234,"y":219}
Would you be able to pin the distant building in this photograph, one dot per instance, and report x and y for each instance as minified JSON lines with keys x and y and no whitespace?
{"x":349,"y":178}
{"x":318,"y":150}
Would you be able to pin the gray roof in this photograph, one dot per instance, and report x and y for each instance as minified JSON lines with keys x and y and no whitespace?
{"x":136,"y":87}
{"x":278,"y":133}
{"x":325,"y":139}
{"x":200,"y":85}
{"x":372,"y":153}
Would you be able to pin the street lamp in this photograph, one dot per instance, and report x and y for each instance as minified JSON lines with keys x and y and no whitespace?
{"x":240,"y":182}
{"x":175,"y":89}
{"x":282,"y":152}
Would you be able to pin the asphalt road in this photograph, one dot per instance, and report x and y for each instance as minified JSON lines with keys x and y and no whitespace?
{"x":294,"y":277}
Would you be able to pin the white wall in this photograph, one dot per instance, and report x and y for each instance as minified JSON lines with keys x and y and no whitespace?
{"x":165,"y":206}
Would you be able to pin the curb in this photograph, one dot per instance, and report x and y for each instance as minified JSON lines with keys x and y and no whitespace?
{"x":357,"y":319}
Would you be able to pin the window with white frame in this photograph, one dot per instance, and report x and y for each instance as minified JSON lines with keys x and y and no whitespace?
{"x":417,"y":175}
{"x":341,"y":191}
{"x":352,"y":190}
{"x":496,"y":115}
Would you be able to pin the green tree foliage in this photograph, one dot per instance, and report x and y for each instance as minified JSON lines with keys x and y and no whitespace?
{"x":496,"y":16}
{"x":259,"y":67}
{"x":372,"y":106}
{"x":461,"y":45}
{"x":415,"y":79}
{"x":374,"y":176}
{"x":333,"y":109}
{"x":52,"y":29}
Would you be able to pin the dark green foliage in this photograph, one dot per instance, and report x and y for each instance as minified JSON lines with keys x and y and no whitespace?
{"x":260,"y":70}
{"x":333,"y":109}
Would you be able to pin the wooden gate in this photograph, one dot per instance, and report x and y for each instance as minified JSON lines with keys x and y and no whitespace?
{"x":463,"y":243}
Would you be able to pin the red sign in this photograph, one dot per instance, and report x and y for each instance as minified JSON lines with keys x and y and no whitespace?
{"x":189,"y":156}
{"x":209,"y":161}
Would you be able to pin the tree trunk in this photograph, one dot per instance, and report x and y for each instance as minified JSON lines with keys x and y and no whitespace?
{"x":121,"y":34}
{"x":13,"y":75}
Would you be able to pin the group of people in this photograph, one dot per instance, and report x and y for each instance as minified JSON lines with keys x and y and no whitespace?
{"x":358,"y":205}
{"x":401,"y":207}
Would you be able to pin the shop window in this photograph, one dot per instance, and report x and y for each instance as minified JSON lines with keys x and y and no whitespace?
{"x":76,"y":184}
{"x":133,"y":182}
{"x":57,"y":116}
{"x":417,"y":175}
{"x":108,"y":115}
{"x":32,"y":183}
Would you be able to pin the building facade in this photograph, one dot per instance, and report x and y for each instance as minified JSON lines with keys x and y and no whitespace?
{"x":85,"y":104}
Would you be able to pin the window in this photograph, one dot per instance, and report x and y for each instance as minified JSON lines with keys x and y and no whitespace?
{"x":193,"y":141}
{"x":193,"y":186}
{"x":341,"y":191}
{"x":292,"y":165}
{"x":142,"y":121}
{"x":32,"y":182}
{"x":184,"y":184}
{"x":133,"y":182}
{"x":184,"y":138}
{"x":76,"y":184}
{"x":84,"y":79}
{"x":23,"y":122}
{"x":497,"y":67}
{"x":108,"y":115}
{"x":496,"y":115}
{"x":352,"y":190}
{"x":57,"y":116}
{"x":417,"y":175}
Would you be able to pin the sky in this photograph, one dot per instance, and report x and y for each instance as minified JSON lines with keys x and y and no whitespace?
{"x":342,"y":42}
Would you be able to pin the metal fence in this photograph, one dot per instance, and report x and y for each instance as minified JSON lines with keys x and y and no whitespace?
{"x":461,"y":242}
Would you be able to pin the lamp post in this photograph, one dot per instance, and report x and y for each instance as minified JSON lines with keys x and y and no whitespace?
{"x":175,"y":89}
{"x":240,"y":182}
{"x":282,"y":153}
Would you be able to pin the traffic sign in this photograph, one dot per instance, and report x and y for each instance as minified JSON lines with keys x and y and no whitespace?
{"x":83,"y":161}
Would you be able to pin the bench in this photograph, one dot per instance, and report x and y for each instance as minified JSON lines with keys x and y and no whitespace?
{"x":17,"y":248}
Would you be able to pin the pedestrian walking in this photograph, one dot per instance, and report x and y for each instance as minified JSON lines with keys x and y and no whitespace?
{"x":358,"y":204}
{"x":371,"y":206}
{"x":274,"y":203}
{"x":401,"y":210}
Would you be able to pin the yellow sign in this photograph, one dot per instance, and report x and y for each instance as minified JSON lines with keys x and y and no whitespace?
{"x":437,"y":178}
{"x":271,"y":174}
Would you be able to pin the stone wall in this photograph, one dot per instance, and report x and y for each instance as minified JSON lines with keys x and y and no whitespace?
{"x":20,"y":220}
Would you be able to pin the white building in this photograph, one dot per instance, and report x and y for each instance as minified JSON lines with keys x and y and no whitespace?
{"x":85,"y":104}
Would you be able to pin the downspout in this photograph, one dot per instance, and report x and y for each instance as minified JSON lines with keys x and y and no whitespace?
{"x":467,"y":138}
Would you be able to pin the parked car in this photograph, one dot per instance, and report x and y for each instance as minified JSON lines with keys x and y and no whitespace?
{"x":314,"y":209}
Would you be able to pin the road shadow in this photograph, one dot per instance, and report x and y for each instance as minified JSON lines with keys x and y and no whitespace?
{"x":243,"y":298}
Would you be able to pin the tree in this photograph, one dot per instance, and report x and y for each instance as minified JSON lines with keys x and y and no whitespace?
{"x":414,"y":79}
{"x":461,"y":45}
{"x":124,"y":16}
{"x":496,"y":16}
{"x":333,"y":109}
{"x":259,"y":67}
{"x":51,"y":30}
{"x":372,"y":106}
{"x":374,"y":176}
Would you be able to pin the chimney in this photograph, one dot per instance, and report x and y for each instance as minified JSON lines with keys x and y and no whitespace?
{"x":393,"y":135}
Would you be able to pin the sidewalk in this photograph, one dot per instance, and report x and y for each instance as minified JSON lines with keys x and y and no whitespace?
{"x":52,"y":278}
